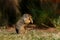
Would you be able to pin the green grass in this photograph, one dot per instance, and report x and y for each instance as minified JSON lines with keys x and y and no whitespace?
{"x":31,"y":35}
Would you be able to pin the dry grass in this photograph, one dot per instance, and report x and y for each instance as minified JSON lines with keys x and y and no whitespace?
{"x":30,"y":35}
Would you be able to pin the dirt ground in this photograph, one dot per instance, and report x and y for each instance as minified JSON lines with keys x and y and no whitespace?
{"x":33,"y":27}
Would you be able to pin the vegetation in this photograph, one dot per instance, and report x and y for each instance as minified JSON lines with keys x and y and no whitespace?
{"x":31,"y":35}
{"x":43,"y":12}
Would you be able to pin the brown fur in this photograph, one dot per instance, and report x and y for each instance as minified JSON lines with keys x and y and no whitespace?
{"x":23,"y":22}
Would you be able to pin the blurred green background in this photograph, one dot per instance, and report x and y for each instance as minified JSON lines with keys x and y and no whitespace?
{"x":44,"y":12}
